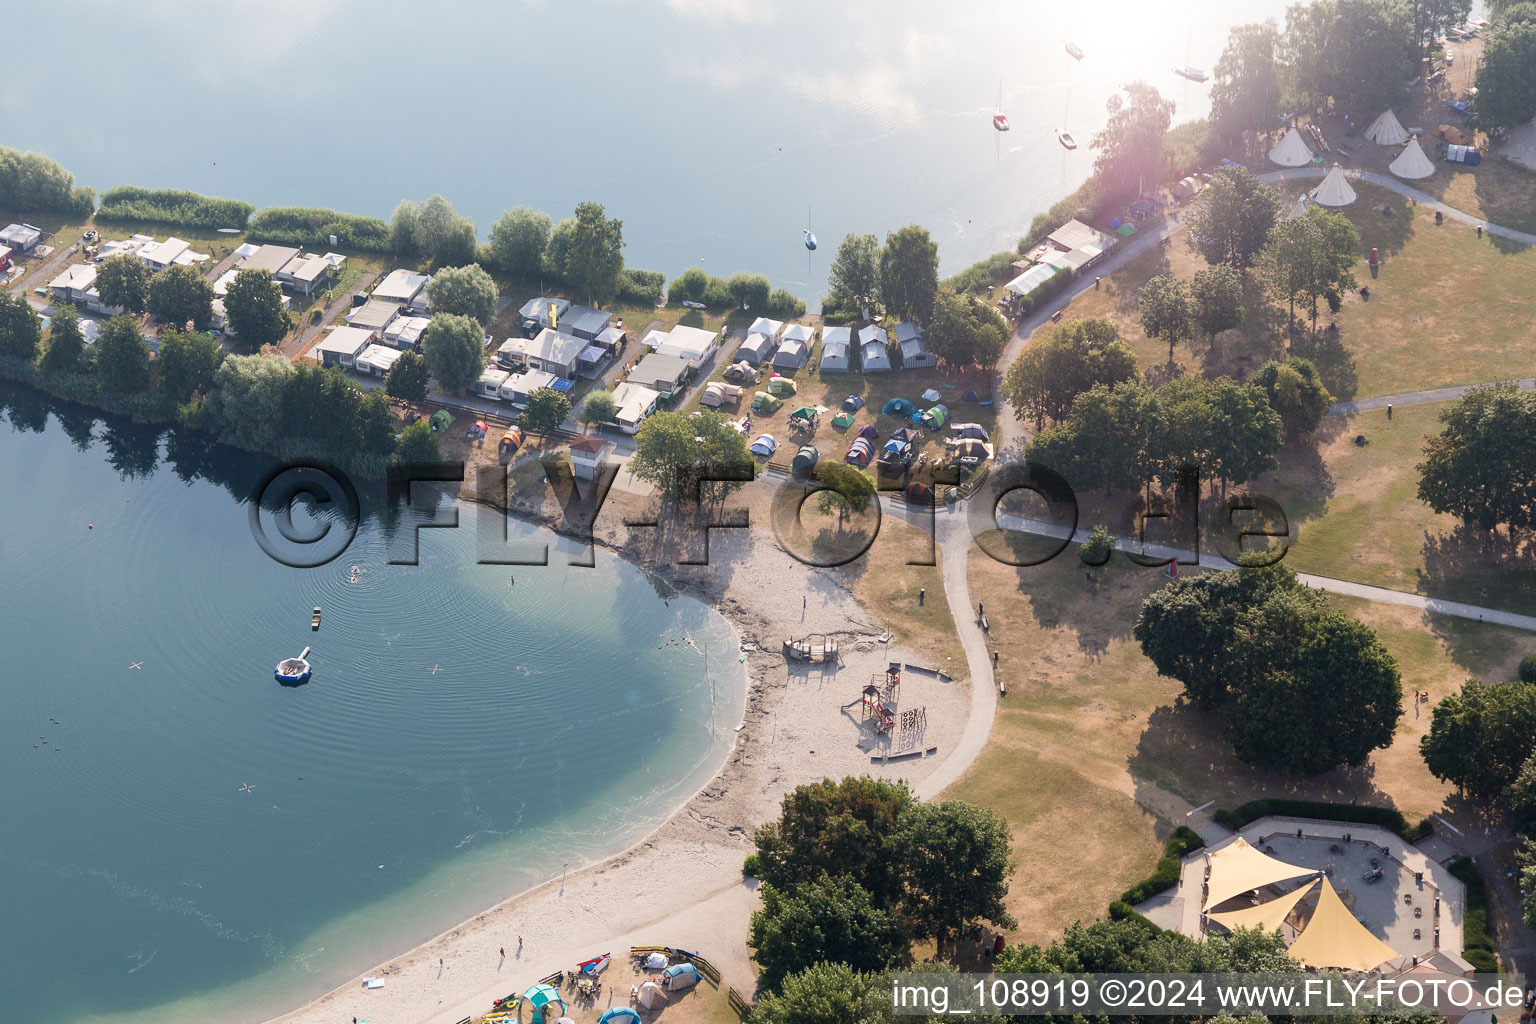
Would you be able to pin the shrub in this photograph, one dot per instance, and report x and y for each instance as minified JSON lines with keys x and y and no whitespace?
{"x":783,"y":305}
{"x":749,"y":866}
{"x":311,"y":227}
{"x":1385,"y":817}
{"x":1166,"y":874}
{"x":1476,"y":940}
{"x":1528,"y":669}
{"x":641,"y":287}
{"x":1119,"y":910}
{"x":1099,"y":548}
{"x":172,"y":206}
{"x":31,"y":181}
{"x":986,"y":273}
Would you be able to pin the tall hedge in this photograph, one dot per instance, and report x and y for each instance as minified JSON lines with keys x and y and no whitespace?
{"x":311,"y":227}
{"x":1385,"y":817}
{"x":1166,"y":874}
{"x":172,"y":206}
{"x":1476,"y":939}
{"x":33,"y":182}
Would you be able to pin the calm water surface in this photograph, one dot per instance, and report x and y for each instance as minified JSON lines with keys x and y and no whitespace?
{"x":135,"y":870}
{"x":714,"y":128}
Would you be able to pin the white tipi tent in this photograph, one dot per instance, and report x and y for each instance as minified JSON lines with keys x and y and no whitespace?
{"x":1300,"y":209}
{"x":1387,"y":130}
{"x":1292,"y":150}
{"x":1335,"y":190}
{"x":1412,"y":163}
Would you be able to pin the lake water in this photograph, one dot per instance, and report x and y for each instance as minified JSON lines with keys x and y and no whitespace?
{"x":716,"y":129}
{"x":136,"y":872}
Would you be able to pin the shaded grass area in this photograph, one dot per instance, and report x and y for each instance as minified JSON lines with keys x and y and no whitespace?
{"x":1094,"y":757}
{"x":1447,"y":307}
{"x":886,"y":584}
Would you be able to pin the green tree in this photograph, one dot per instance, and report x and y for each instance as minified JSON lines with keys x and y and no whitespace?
{"x":467,"y":291}
{"x":1068,"y":360}
{"x":433,"y":231}
{"x":1186,"y":627}
{"x":186,"y":364}
{"x":1309,"y":258}
{"x":1480,"y":738}
{"x":418,"y":446}
{"x":692,"y":285}
{"x":66,"y":343}
{"x":854,"y":277}
{"x":595,"y":253}
{"x":546,"y":410}
{"x":1296,"y":392}
{"x":455,"y":350}
{"x":1506,"y":80}
{"x":179,"y":295}
{"x":1528,"y":669}
{"x":1246,"y":433}
{"x":1431,"y":18}
{"x":846,"y":491}
{"x":376,"y":424}
{"x":599,"y":408}
{"x":836,"y":828}
{"x":253,"y":306}
{"x":749,"y":291}
{"x":1216,"y":300}
{"x":123,"y":280}
{"x":963,"y":331}
{"x":668,"y":443}
{"x":1376,"y":55}
{"x":1245,"y":88}
{"x":1112,"y":439}
{"x":824,"y":993}
{"x":1520,"y":798}
{"x":518,"y":241}
{"x":20,"y":328}
{"x":1165,"y":310}
{"x":909,"y":273}
{"x":1099,"y":548}
{"x":1131,"y":152}
{"x":1231,"y":219}
{"x":829,"y":920}
{"x":1482,"y":467}
{"x":955,"y":869}
{"x":1338,"y":693}
{"x":407,"y":378}
{"x":122,"y":360}
{"x":245,"y":406}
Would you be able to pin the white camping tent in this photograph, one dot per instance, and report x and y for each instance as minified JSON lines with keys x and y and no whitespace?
{"x":651,"y":996}
{"x":1387,"y":130}
{"x":1292,"y":150}
{"x":1335,"y":190}
{"x":1411,"y":162}
{"x":656,"y":961}
{"x":1300,"y":209}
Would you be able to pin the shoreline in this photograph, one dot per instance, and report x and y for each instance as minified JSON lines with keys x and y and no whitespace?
{"x":703,"y":840}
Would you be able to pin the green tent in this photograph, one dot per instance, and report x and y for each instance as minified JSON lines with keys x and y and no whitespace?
{"x":805,"y":412}
{"x":762,"y":401}
{"x":543,"y":997}
{"x":843,"y":420}
{"x":781,"y":386}
{"x":1126,"y":230}
{"x":442,"y":419}
{"x":805,"y":459}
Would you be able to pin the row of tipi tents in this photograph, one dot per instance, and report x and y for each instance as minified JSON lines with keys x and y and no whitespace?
{"x":1386,"y":130}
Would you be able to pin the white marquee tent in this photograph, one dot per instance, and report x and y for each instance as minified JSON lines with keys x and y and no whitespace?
{"x":1411,"y":162}
{"x":1335,"y":190}
{"x":1387,"y":130}
{"x":1292,"y":150}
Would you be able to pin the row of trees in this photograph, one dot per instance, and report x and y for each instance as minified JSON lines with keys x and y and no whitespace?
{"x":1303,"y":688}
{"x":179,"y":295}
{"x":260,"y":402}
{"x":1361,"y":55}
{"x":1236,"y":224}
{"x":902,"y":276}
{"x":855,"y":871}
{"x":745,"y":291}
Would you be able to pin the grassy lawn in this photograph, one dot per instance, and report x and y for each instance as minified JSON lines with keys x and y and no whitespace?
{"x":1355,"y":515}
{"x":1094,"y":759}
{"x":887,"y":585}
{"x":1447,"y":308}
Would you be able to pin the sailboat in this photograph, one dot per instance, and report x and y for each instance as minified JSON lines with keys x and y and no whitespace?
{"x":1066,"y":140}
{"x":999,"y":119}
{"x":1192,"y":73}
{"x":1075,"y":50}
{"x":810,"y":236}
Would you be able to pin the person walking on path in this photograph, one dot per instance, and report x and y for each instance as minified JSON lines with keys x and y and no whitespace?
{"x":503,"y":952}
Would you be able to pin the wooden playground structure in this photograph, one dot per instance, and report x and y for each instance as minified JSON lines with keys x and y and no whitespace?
{"x":881,"y":697}
{"x":816,"y":649}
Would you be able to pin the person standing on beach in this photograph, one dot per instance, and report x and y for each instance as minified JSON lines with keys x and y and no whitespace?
{"x":503,"y":952}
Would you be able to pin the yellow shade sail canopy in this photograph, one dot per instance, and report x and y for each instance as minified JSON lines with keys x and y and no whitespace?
{"x":1238,"y":867}
{"x":1267,"y":916}
{"x":1333,"y":938}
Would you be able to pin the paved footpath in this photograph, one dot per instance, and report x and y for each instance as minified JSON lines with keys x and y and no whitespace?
{"x":1415,"y":398}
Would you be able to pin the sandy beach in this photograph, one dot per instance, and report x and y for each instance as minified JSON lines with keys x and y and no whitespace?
{"x":683,"y":885}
